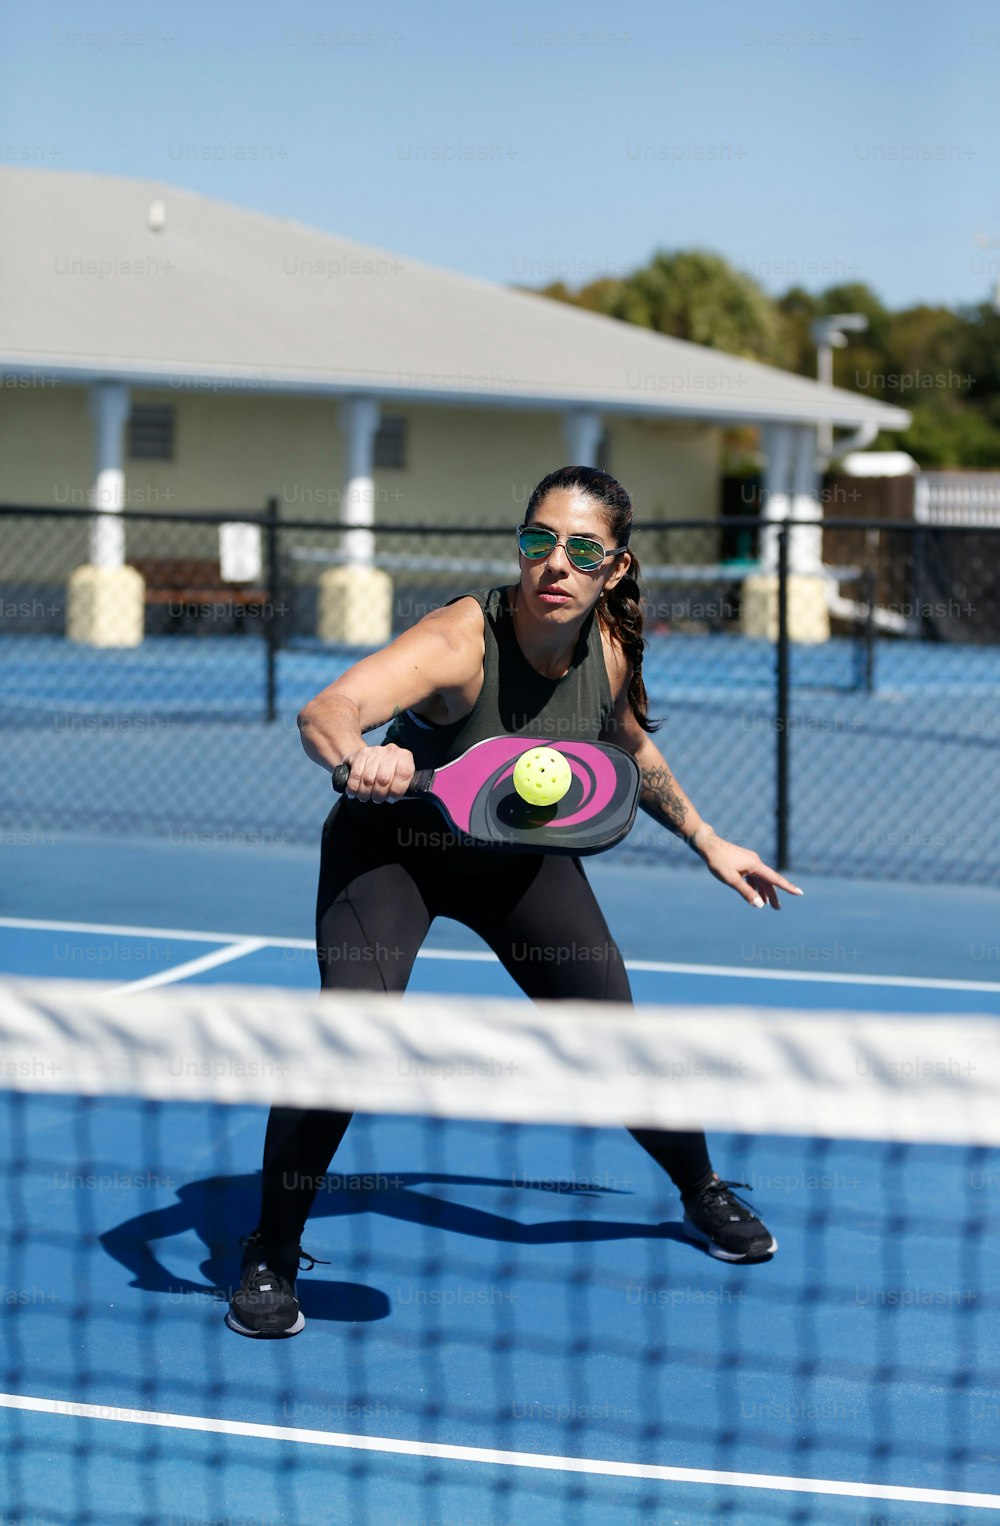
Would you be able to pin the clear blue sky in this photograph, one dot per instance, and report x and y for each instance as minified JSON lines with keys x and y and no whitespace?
{"x":802,"y":142}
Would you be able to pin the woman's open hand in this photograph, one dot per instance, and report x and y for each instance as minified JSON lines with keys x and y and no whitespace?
{"x":745,"y":872}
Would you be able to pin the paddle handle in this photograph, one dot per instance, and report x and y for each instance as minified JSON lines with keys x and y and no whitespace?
{"x":420,"y":784}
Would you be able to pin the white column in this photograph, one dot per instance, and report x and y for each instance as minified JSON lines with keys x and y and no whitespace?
{"x":777,"y":444}
{"x":354,"y":601}
{"x":789,"y":492}
{"x":109,"y":406}
{"x":359,"y":418}
{"x":105,"y":598}
{"x":582,"y":431}
{"x":805,"y":550}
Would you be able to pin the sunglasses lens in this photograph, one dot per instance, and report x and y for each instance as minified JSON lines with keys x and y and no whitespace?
{"x":583,"y":553}
{"x":535,"y":543}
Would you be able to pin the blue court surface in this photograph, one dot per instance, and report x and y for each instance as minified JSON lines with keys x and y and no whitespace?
{"x":180,"y":719}
{"x":647,"y":1383}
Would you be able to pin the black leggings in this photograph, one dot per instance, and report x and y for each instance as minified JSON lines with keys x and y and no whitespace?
{"x":386,"y":872}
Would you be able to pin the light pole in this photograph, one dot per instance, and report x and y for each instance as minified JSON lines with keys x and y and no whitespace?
{"x":829,"y":334}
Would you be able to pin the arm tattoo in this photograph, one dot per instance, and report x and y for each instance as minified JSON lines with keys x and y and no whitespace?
{"x":377,"y":725}
{"x":660,"y":799}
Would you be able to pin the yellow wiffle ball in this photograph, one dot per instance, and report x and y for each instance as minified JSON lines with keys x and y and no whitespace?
{"x":542,"y":776}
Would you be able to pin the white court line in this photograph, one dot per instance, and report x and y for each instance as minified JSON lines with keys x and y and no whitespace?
{"x":117,"y":930}
{"x":483,"y":956}
{"x":605,"y":1467}
{"x":181,"y":935}
{"x":192,"y":966}
{"x":737,"y":972}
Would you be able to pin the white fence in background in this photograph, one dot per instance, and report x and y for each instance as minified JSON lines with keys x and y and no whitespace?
{"x":957,"y":498}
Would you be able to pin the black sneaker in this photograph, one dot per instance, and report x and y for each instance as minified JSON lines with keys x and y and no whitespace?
{"x":726,"y":1226}
{"x":265,"y":1305}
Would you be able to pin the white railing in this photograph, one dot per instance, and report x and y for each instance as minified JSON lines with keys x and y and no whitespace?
{"x":957,"y":498}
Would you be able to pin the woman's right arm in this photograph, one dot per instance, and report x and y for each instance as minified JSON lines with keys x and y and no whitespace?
{"x":441,"y":656}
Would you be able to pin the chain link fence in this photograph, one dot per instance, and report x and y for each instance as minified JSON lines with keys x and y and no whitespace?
{"x":828,"y":691}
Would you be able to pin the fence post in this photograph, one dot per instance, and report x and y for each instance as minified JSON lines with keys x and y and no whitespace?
{"x":919,"y":565}
{"x":271,"y":634}
{"x":870,"y":589}
{"x":781,"y":727}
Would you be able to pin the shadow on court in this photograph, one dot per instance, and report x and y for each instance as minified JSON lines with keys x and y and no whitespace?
{"x":218,"y":1209}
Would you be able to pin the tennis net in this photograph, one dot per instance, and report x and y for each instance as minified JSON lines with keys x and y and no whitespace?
{"x":512,"y":1325}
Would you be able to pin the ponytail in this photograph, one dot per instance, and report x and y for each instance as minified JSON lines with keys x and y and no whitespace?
{"x":619,"y":608}
{"x":621,"y":614}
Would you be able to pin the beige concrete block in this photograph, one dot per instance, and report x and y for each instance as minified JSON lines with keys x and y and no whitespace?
{"x":354,"y":605}
{"x":808,"y":611}
{"x":105,"y":606}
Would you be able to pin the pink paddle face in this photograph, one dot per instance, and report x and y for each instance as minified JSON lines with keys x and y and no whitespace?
{"x":477,"y":794}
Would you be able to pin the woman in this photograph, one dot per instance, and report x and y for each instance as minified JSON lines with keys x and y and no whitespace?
{"x":559,"y":654}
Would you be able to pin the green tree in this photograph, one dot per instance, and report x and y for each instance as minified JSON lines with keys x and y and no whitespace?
{"x":699,"y":297}
{"x":691,"y":295}
{"x":943,"y":366}
{"x":960,"y":439}
{"x":981,"y":358}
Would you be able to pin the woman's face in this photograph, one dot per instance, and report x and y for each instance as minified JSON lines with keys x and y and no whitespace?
{"x":554,"y":589}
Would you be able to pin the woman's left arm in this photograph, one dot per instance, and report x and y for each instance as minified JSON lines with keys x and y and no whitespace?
{"x":663,"y":799}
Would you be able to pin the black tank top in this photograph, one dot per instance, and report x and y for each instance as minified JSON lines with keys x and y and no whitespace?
{"x":514,"y":699}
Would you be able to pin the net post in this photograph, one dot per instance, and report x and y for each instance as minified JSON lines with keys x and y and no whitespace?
{"x":782,"y":666}
{"x":271,"y":613}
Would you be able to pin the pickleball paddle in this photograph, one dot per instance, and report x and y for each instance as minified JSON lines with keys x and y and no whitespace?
{"x":476,"y":796}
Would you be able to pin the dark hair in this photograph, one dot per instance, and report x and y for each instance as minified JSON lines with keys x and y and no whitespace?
{"x":619,"y":608}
